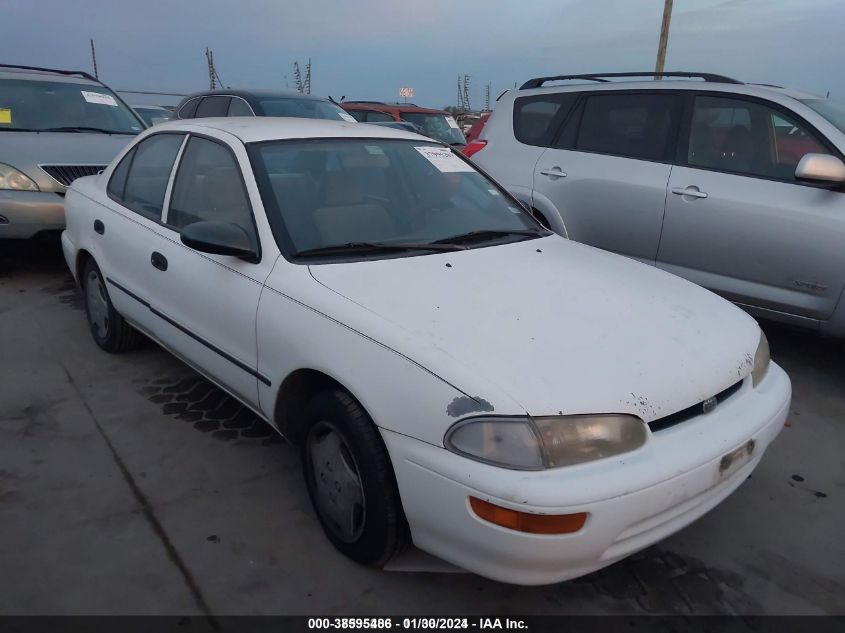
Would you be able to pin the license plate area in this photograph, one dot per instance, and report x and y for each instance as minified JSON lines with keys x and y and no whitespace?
{"x":736,"y":458}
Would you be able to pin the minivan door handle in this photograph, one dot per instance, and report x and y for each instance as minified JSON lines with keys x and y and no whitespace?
{"x":554,"y":172}
{"x":692,"y":191}
{"x":158,"y":261}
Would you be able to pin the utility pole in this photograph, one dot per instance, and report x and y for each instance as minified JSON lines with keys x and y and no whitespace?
{"x":94,"y":59}
{"x":308,"y":77}
{"x":209,"y":60}
{"x":487,"y":98}
{"x":664,"y":38}
{"x":467,"y":81}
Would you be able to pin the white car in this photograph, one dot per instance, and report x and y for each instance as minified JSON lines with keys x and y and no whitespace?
{"x":525,"y":407}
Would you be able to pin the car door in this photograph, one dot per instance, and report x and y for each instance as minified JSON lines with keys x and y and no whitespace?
{"x":737,"y":220}
{"x":207,"y":303}
{"x":607,"y":172}
{"x":136,"y":191}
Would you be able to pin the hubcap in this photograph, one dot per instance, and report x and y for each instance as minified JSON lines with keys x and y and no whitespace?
{"x":98,"y":307}
{"x":337,"y":483}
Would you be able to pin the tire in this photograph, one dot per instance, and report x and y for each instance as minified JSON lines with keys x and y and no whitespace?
{"x":109,"y":330}
{"x":342,"y":445}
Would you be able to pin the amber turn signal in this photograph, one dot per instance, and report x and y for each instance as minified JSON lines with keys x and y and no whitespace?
{"x":525,"y":522}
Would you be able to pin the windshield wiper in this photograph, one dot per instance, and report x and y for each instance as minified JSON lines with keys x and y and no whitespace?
{"x":487,"y":234}
{"x":81,"y":128}
{"x":363,"y":247}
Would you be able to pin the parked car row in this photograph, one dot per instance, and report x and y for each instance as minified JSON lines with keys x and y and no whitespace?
{"x":457,"y":375}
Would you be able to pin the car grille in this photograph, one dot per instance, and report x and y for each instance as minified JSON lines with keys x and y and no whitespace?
{"x":66,"y":174}
{"x":693,"y":411}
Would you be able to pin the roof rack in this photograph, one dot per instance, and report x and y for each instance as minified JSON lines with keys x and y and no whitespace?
{"x":80,"y":73}
{"x":537,"y":82}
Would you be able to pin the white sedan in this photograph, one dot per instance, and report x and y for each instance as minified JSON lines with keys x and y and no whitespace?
{"x":525,"y":407}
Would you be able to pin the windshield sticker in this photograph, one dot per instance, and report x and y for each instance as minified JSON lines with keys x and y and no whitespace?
{"x":99,"y":98}
{"x":493,"y":192}
{"x":346,"y":117}
{"x":5,"y":115}
{"x":444,"y":159}
{"x":375,"y":150}
{"x":452,"y":122}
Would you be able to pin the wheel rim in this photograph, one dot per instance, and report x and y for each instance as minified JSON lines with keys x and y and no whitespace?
{"x":98,"y":307}
{"x":337,"y":487}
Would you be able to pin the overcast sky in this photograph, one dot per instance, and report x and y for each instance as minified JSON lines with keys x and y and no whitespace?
{"x":368,"y":49}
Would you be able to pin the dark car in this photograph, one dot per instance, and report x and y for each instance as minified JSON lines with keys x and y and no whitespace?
{"x":217,"y":103}
{"x":436,"y":124}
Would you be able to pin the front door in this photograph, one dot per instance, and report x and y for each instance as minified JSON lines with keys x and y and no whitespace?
{"x":739,"y":223}
{"x":208,"y":303}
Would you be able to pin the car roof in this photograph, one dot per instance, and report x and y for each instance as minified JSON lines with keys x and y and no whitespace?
{"x":256,"y":129}
{"x":387,"y":107}
{"x":33,"y":74}
{"x":762,"y":90}
{"x":258,"y":93}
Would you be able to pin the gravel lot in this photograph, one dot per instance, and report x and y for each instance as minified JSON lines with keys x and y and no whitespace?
{"x":129,"y":485}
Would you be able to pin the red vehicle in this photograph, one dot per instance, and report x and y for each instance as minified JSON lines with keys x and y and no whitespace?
{"x":476,"y":128}
{"x":437,"y":124}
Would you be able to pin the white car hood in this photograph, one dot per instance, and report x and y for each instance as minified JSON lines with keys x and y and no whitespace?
{"x":556,"y":326}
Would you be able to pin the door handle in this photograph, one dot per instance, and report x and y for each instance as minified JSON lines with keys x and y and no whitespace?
{"x":691,"y":191}
{"x":554,"y":172}
{"x":158,"y":261}
{"x":99,"y":227}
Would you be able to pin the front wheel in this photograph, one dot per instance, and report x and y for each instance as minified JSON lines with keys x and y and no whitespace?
{"x":109,"y":330}
{"x":350,"y":480}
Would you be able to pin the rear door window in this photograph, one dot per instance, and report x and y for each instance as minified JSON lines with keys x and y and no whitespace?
{"x":212,"y":106}
{"x":188,"y":110}
{"x":149,"y":174}
{"x":537,"y":118}
{"x":631,"y":125}
{"x":373,"y":117}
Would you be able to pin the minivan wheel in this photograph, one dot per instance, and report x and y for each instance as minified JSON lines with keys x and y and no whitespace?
{"x":350,"y":480}
{"x":109,"y":330}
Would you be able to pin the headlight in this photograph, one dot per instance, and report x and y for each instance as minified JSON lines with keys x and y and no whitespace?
{"x":549,"y":442}
{"x":11,"y":178}
{"x":761,"y":361}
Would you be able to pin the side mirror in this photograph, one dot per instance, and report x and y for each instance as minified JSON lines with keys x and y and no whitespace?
{"x":219,"y":238}
{"x":820,"y":167}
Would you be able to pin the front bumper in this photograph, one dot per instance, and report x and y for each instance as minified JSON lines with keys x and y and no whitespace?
{"x":25,"y":213}
{"x":633,"y":501}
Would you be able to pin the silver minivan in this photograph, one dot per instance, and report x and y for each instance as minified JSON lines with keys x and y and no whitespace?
{"x":737,"y":187}
{"x":55,"y":126}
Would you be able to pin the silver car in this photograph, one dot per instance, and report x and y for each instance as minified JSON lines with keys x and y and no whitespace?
{"x":737,"y":187}
{"x":55,"y":126}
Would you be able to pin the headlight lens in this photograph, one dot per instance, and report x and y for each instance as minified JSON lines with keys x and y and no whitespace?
{"x":548,"y":442}
{"x":761,"y":361}
{"x":11,"y":178}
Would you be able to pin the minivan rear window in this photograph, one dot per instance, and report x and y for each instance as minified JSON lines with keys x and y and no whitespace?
{"x":537,"y":118}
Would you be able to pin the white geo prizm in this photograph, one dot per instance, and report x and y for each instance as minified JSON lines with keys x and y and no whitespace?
{"x":525,"y":407}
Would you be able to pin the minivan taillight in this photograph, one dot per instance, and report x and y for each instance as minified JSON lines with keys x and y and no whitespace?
{"x":473,"y":148}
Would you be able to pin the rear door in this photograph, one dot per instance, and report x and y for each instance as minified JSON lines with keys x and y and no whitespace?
{"x":739,"y":223}
{"x":607,"y":171}
{"x":136,"y":191}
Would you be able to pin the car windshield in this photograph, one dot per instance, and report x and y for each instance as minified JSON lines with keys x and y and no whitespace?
{"x":833,"y":111}
{"x":378,"y":197}
{"x":441,"y":127}
{"x":303,"y":108}
{"x":61,"y":106}
{"x":152,"y":116}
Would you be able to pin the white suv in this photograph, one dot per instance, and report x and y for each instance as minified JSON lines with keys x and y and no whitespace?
{"x":737,"y":187}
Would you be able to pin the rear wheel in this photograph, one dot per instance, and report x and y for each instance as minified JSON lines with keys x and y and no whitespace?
{"x":110,"y":331}
{"x":350,"y":480}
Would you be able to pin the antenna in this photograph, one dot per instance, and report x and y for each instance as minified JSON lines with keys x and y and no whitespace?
{"x":300,"y":87}
{"x":308,"y":77}
{"x":467,"y":81}
{"x":94,"y":60}
{"x":487,"y":97}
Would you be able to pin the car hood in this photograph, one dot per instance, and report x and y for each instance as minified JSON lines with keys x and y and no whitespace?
{"x":27,"y":150}
{"x":552,"y":326}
